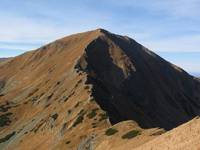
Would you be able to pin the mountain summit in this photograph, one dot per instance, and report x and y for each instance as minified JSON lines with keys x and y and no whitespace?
{"x":57,"y":95}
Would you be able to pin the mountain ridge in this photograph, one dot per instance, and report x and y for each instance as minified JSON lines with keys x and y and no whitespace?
{"x":83,"y":84}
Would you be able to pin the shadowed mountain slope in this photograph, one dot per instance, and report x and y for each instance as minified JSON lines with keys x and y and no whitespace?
{"x":131,"y":82}
{"x":57,"y":95}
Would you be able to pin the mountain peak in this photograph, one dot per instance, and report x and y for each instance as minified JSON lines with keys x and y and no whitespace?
{"x":90,"y":80}
{"x":101,"y":30}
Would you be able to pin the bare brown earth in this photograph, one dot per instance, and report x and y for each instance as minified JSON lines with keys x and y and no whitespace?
{"x":116,"y":142}
{"x":45,"y":95}
{"x":185,"y":137}
{"x":65,"y":95}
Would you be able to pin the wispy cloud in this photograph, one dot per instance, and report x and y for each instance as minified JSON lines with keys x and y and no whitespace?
{"x":177,"y":44}
{"x":159,"y":25}
{"x":155,"y":23}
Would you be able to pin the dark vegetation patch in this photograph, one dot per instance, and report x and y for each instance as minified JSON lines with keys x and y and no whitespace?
{"x":34,"y":99}
{"x":77,"y":104}
{"x":158,"y":133}
{"x":67,"y":97}
{"x":78,"y":83}
{"x":69,"y":111}
{"x":1,"y":95}
{"x":49,"y":97}
{"x":7,"y":137}
{"x":26,"y":132}
{"x":5,"y":107}
{"x":131,"y":134}
{"x":25,"y":102}
{"x":92,"y":114}
{"x":103,"y":116}
{"x":5,"y":120}
{"x":58,"y":83}
{"x":81,"y":112}
{"x":87,"y":87}
{"x":94,"y":125}
{"x":54,"y":116}
{"x":111,"y":131}
{"x":2,"y":84}
{"x":67,"y":142}
{"x":79,"y":119}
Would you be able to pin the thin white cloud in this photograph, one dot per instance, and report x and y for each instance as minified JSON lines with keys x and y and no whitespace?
{"x":175,"y":8}
{"x":179,"y":8}
{"x":178,"y":44}
{"x":188,"y":66}
{"x":18,"y":47}
{"x":18,"y":28}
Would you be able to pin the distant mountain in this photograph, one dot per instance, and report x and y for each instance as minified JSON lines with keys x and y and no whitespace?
{"x":196,"y":74}
{"x":76,"y":92}
{"x":3,"y":59}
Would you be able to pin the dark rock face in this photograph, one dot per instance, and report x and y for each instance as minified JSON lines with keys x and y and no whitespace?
{"x":131,"y":82}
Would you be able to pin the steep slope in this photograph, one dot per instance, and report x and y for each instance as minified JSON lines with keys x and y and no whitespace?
{"x":132,"y":83}
{"x":44,"y":101}
{"x":184,"y":137}
{"x":76,"y":87}
{"x":129,"y":136}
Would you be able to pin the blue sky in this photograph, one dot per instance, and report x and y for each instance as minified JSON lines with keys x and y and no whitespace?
{"x":169,"y":28}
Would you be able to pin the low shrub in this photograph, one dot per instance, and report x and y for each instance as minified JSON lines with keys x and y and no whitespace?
{"x":111,"y":131}
{"x":94,"y":125}
{"x":103,"y":116}
{"x":68,"y":142}
{"x":69,"y":111}
{"x":92,"y":114}
{"x":4,"y":108}
{"x":77,"y":104}
{"x":131,"y":134}
{"x":7,"y":137}
{"x":5,"y":120}
{"x":78,"y":120}
{"x":54,"y":116}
